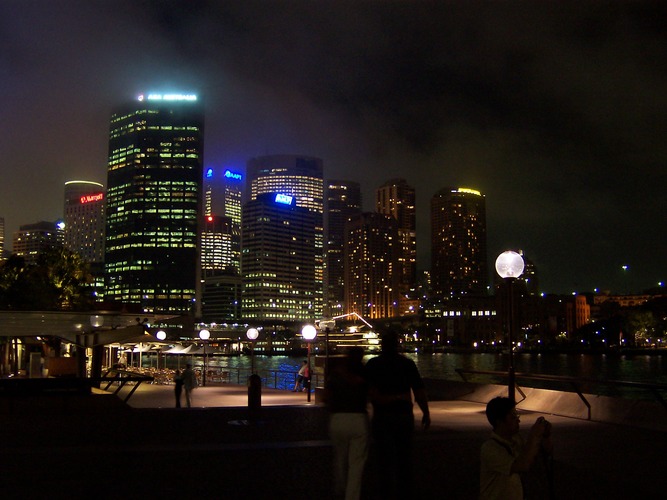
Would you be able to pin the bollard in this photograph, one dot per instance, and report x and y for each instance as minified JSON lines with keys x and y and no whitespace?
{"x":254,"y":392}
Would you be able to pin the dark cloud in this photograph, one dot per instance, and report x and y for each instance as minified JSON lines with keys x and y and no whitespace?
{"x":556,"y":111}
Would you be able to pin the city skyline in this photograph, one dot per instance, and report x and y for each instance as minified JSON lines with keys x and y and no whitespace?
{"x":554,"y":112}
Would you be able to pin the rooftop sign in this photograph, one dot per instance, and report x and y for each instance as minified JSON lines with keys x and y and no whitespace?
{"x":285,"y":199}
{"x":233,"y":175}
{"x":168,"y":97}
{"x":89,"y":198}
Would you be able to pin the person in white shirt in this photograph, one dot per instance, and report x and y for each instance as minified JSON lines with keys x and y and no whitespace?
{"x":506,"y":455}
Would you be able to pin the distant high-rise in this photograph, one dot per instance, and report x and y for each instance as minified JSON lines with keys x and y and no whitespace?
{"x":154,"y":204}
{"x":342,"y":201}
{"x":458,"y":243}
{"x":302,"y":178}
{"x":2,"y":238}
{"x":397,"y":199}
{"x":219,"y":251}
{"x":84,"y":217}
{"x":372,"y":270}
{"x":32,"y":239}
{"x":278,"y":259}
{"x":223,"y":204}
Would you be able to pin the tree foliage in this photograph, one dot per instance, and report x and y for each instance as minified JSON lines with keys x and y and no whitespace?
{"x":59,"y":280}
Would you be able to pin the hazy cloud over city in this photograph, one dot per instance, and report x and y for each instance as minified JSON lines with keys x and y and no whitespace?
{"x":556,"y":111}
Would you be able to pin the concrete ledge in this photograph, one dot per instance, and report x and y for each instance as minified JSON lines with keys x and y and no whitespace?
{"x":636,"y":413}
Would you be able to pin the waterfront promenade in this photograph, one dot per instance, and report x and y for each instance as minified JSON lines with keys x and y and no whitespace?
{"x":98,"y":447}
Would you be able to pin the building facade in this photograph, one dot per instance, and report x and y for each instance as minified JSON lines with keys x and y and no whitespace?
{"x":372,"y":269}
{"x":397,"y":199}
{"x":84,"y":217}
{"x":154,"y":204}
{"x":458,"y":243}
{"x":342,"y":201}
{"x":300,"y":177}
{"x":278,"y":259}
{"x":32,"y":239}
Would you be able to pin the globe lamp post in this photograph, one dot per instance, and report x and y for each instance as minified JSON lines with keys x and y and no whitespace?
{"x":161,"y":336}
{"x":309,"y":332}
{"x":252,"y":335}
{"x":204,"y":335}
{"x":509,"y":266}
{"x":254,"y":381}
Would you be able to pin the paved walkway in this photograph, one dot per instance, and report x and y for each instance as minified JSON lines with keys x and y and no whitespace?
{"x":62,"y":447}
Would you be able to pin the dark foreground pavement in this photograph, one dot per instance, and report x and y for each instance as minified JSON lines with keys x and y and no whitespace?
{"x":98,"y":447}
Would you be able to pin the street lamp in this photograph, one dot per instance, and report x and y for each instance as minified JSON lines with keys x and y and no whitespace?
{"x":509,"y":266}
{"x":254,"y":381}
{"x":204,"y":335}
{"x":252,"y":335}
{"x":309,"y":332}
{"x":161,"y":335}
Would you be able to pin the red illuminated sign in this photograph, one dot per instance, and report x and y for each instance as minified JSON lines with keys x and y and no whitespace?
{"x":89,"y":198}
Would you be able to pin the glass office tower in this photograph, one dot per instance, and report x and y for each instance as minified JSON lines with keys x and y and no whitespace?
{"x":154,"y":204}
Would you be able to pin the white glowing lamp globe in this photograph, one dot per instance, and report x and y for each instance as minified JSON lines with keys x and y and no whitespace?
{"x":308,"y":332}
{"x":161,"y":335}
{"x":252,"y":333}
{"x":509,"y":264}
{"x":204,"y":334}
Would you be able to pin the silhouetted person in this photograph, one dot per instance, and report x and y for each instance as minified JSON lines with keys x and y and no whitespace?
{"x":393,"y":379}
{"x":505,"y":455}
{"x":189,"y":383}
{"x":346,"y":397}
{"x":178,"y":387}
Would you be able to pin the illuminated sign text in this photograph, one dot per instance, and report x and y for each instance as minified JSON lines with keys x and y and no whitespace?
{"x":89,"y":198}
{"x":285,"y":199}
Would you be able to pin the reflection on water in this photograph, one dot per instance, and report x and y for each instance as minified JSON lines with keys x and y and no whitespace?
{"x":633,"y":368}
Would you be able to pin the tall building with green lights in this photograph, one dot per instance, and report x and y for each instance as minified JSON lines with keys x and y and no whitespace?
{"x":154,"y":204}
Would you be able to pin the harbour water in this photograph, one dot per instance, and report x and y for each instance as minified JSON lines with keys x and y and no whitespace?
{"x":642,"y":368}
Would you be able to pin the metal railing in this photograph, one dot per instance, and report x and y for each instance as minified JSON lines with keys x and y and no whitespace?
{"x":574,"y":383}
{"x":122,"y":378}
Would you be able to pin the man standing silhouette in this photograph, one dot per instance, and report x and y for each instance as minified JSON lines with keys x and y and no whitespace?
{"x":393,"y":379}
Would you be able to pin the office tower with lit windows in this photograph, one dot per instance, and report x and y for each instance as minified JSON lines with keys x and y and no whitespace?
{"x":222,"y":211}
{"x":2,"y":238}
{"x":154,"y":204}
{"x":300,"y":177}
{"x":458,"y":243}
{"x":342,"y":201}
{"x":84,"y":217}
{"x":278,"y":259}
{"x":372,"y":270}
{"x":32,"y":239}
{"x":397,"y":199}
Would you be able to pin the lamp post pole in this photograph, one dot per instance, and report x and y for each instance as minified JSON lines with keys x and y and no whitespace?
{"x":204,"y":335}
{"x":309,"y":332}
{"x":252,"y":335}
{"x":254,"y":381}
{"x":509,"y":266}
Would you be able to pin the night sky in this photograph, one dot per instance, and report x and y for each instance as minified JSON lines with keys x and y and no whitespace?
{"x":556,"y":111}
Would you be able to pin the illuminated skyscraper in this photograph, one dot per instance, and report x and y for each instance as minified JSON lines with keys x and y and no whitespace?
{"x":84,"y":219}
{"x":458,"y":243}
{"x":397,"y":199}
{"x":31,"y":239}
{"x":342,"y":201}
{"x":2,"y":238}
{"x":154,"y":204}
{"x":278,"y":259}
{"x":302,"y":178}
{"x":372,"y":269}
{"x":222,"y":206}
